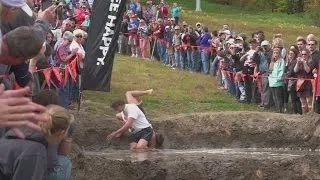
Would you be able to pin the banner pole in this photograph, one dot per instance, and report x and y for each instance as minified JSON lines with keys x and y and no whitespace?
{"x":154,"y":44}
{"x":314,"y":93}
{"x":80,"y":93}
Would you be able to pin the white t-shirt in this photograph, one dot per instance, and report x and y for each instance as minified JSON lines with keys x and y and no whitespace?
{"x":140,"y":122}
{"x":75,"y":45}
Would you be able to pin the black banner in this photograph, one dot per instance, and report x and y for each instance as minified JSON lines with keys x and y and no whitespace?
{"x":101,"y":44}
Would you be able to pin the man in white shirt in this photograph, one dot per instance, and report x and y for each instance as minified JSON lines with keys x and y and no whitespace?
{"x":137,"y":121}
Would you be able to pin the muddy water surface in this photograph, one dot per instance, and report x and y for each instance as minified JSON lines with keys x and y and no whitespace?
{"x":254,"y":153}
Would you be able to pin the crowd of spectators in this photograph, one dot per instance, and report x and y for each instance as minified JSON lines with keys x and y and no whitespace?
{"x":35,"y":126}
{"x":249,"y":67}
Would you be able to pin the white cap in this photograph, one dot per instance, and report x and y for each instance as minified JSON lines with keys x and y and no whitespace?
{"x":230,"y":41}
{"x":265,"y":43}
{"x":18,"y":4}
{"x":227,"y":32}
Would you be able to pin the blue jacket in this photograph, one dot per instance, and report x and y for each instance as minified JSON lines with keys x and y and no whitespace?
{"x":203,"y":41}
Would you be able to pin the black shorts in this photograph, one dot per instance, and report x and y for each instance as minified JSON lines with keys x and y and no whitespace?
{"x":145,"y":134}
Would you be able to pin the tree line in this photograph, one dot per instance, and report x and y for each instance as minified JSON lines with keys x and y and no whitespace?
{"x":309,"y":8}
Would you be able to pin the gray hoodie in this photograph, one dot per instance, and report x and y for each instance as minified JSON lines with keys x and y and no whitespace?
{"x":29,"y":158}
{"x":22,"y":159}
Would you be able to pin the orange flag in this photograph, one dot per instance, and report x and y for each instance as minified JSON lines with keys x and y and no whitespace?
{"x":72,"y":68}
{"x":65,"y":76}
{"x":47,"y":75}
{"x":299,"y":84}
{"x":56,"y":72}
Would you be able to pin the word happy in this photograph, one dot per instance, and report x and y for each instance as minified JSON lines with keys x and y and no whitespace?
{"x":109,"y":32}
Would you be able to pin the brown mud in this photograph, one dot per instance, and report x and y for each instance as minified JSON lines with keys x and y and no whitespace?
{"x":95,"y":158}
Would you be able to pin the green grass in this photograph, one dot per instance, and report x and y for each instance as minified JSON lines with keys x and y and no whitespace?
{"x":182,"y":92}
{"x":241,"y":20}
{"x":175,"y":91}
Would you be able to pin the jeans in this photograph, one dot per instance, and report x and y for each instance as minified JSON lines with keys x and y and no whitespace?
{"x":184,"y":59}
{"x":205,"y":61}
{"x":230,"y":84}
{"x":196,"y":60}
{"x":177,"y":57}
{"x":160,"y":50}
{"x":167,"y":56}
{"x":189,"y":59}
{"x":62,"y":171}
{"x":74,"y":91}
{"x":215,"y":66}
{"x":64,"y":95}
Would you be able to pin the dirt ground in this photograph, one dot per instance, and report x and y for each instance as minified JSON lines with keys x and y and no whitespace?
{"x":209,"y":130}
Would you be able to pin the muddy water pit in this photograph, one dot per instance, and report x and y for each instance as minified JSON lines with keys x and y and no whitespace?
{"x":224,"y":145}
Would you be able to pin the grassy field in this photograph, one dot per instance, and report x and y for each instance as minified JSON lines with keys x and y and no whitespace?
{"x":183,"y":92}
{"x":215,"y":15}
{"x":175,"y":91}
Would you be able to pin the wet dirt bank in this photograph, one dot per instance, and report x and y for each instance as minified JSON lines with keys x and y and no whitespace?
{"x":210,"y":130}
{"x":200,"y":166}
{"x":94,"y":158}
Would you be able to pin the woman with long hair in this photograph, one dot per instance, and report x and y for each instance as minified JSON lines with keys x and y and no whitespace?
{"x":303,"y":69}
{"x":292,"y":83}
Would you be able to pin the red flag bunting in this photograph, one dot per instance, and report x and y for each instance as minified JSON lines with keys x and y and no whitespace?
{"x":56,"y":72}
{"x":72,"y":68}
{"x":47,"y":75}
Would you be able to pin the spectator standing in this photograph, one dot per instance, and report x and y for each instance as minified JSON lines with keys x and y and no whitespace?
{"x":292,"y":83}
{"x":132,"y":6}
{"x":276,"y":81}
{"x":303,"y":69}
{"x":177,"y":42}
{"x":133,"y":35}
{"x":204,"y":43}
{"x":143,"y":32}
{"x":175,"y":12}
{"x":63,"y":57}
{"x":123,"y":37}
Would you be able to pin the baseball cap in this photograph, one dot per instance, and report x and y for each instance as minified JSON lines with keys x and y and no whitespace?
{"x":184,"y":23}
{"x":177,"y":27}
{"x":230,"y":41}
{"x":198,"y":24}
{"x":239,"y":38}
{"x":265,"y":43}
{"x":68,"y":35}
{"x":18,"y":4}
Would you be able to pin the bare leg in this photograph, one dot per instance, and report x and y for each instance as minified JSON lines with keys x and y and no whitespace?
{"x":141,"y":146}
{"x":133,"y":146}
{"x":304,"y":105}
{"x":132,"y":96}
{"x":309,"y":103}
